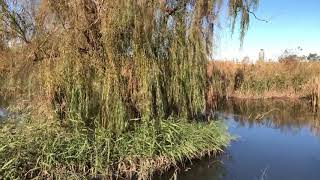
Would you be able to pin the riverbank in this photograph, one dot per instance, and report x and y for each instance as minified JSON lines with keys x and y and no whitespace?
{"x":33,"y":150}
{"x":266,"y":95}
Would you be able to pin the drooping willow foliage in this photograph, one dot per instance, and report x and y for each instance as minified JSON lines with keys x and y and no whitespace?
{"x":115,"y":62}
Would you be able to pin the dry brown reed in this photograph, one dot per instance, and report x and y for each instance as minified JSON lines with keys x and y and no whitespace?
{"x":269,"y":79}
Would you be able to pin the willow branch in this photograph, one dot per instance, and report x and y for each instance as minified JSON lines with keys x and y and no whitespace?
{"x":256,"y":17}
{"x":171,"y":12}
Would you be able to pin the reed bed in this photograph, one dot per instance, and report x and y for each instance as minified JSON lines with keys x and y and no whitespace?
{"x":315,"y":93}
{"x":290,"y":79}
{"x":48,"y":152}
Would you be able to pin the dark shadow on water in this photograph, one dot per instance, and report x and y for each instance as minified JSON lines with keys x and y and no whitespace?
{"x":196,"y":169}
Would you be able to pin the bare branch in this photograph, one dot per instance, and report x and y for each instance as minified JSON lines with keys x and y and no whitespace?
{"x":256,"y":17}
{"x":15,"y":22}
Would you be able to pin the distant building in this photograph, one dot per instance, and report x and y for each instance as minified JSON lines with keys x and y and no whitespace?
{"x":261,"y":55}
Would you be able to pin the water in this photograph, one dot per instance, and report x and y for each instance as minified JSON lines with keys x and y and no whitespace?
{"x":278,"y":140}
{"x":3,"y":112}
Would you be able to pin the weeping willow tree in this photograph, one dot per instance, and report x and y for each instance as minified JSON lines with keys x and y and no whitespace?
{"x":136,"y":59}
{"x":111,"y":63}
{"x":123,"y":77}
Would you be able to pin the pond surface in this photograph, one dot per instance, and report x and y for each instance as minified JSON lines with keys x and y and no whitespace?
{"x":3,"y":104}
{"x":278,"y":140}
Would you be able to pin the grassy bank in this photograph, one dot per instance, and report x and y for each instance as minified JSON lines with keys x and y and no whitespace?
{"x":292,"y":79}
{"x":35,"y":150}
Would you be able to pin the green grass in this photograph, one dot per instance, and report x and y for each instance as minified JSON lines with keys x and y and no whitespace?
{"x":32,"y":150}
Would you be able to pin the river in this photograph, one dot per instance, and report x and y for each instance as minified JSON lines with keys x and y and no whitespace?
{"x":277,"y":140}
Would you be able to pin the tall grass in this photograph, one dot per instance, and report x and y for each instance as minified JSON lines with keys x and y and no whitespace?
{"x":47,"y":151}
{"x":268,"y":79}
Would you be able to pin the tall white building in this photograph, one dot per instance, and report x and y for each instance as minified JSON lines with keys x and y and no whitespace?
{"x":261,"y":55}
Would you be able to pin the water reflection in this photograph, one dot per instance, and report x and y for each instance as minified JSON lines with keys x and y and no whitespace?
{"x":288,"y":116}
{"x":277,"y":140}
{"x":3,"y":104}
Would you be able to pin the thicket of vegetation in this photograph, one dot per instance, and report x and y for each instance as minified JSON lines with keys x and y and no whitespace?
{"x":48,"y":152}
{"x":107,"y":87}
{"x":290,"y":79}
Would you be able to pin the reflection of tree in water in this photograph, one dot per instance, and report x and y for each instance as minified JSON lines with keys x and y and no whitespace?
{"x":288,"y":116}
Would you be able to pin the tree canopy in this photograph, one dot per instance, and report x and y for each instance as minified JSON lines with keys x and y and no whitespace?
{"x":112,"y":61}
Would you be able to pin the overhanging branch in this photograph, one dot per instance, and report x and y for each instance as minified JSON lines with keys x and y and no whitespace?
{"x":256,"y":17}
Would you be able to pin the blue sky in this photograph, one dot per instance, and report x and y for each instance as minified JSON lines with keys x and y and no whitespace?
{"x":292,"y":23}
